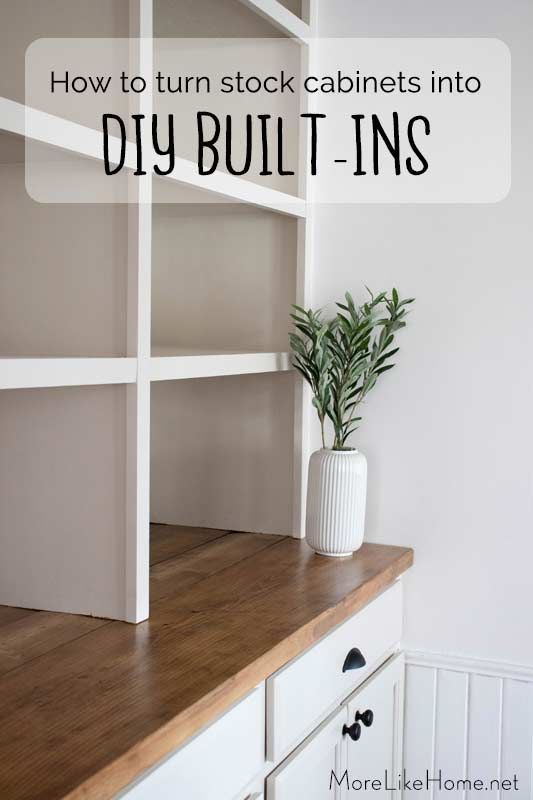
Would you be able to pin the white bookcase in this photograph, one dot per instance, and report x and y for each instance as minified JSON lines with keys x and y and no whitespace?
{"x":144,"y":372}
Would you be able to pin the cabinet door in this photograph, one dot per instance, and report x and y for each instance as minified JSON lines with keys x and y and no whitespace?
{"x":377,"y":754}
{"x":308,"y":772}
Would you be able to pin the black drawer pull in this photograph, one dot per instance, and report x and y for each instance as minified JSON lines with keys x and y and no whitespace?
{"x":353,"y":731}
{"x":367,"y":717}
{"x":354,"y":660}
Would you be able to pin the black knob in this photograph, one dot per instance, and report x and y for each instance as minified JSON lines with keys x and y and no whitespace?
{"x":367,"y":717}
{"x":353,"y":731}
{"x":354,"y":660}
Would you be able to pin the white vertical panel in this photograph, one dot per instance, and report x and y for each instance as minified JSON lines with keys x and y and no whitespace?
{"x":419,"y":729}
{"x":517,"y":736}
{"x":484,"y":731}
{"x":139,"y":309}
{"x":302,"y":394}
{"x":399,"y":707}
{"x":451,"y":732}
{"x":303,"y":290}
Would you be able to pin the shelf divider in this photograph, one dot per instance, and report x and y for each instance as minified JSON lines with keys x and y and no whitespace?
{"x":137,"y":541}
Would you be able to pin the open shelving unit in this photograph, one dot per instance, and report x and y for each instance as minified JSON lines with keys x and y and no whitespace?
{"x":142,"y":346}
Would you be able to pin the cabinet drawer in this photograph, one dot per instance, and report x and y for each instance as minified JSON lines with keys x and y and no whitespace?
{"x":219,"y":762}
{"x":302,"y":692}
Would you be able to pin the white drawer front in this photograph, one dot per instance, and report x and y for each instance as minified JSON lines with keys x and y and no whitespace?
{"x":218,"y":763}
{"x":301,"y":693}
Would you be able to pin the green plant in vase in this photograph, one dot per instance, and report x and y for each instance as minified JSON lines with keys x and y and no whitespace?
{"x":341,"y":358}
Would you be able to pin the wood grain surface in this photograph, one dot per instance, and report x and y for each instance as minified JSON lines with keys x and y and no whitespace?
{"x":87,"y":705}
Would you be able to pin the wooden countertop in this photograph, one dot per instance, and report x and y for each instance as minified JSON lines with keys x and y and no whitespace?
{"x":87,"y":704}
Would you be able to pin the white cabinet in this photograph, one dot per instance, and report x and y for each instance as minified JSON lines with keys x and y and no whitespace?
{"x":307,"y":773}
{"x":376,"y":712}
{"x":218,"y":763}
{"x":360,"y":743}
{"x":301,"y":693}
{"x":356,"y":739}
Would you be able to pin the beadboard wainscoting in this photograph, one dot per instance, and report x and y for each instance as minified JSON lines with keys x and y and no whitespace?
{"x":468,"y":718}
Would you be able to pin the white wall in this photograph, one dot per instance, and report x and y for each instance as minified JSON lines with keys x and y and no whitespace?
{"x":62,"y":499}
{"x":221,"y":452}
{"x":448,"y":433}
{"x":236,"y":298}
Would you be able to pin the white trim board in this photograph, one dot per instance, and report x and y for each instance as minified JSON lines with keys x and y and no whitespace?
{"x":474,"y":666}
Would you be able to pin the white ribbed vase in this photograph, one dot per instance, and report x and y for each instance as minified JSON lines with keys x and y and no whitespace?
{"x":336,"y":502}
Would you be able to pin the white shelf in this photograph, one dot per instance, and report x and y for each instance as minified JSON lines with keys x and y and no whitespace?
{"x":56,"y":132}
{"x":280,"y":17}
{"x":33,"y":373}
{"x":237,"y":189}
{"x":195,"y":365}
{"x":62,"y":133}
